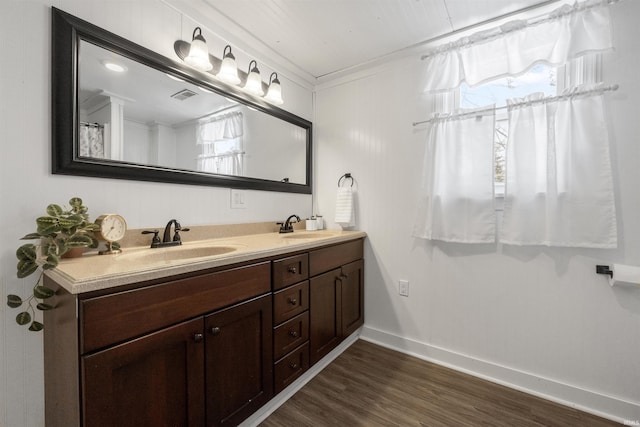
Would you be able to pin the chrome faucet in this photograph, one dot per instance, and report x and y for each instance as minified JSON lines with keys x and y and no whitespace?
{"x":287,"y":227}
{"x":167,"y":240}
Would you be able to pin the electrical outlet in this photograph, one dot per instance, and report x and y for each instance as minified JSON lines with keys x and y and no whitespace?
{"x":238,"y":199}
{"x":403,"y":288}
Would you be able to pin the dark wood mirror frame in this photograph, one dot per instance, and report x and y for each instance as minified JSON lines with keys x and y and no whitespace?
{"x":67,"y":31}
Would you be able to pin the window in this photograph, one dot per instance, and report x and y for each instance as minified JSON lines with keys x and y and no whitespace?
{"x":539,"y":78}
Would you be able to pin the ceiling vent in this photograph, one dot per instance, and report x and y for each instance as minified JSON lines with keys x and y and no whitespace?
{"x":183,"y":94}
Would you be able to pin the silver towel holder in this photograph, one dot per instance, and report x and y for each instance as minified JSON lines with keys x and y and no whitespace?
{"x":345,"y":177}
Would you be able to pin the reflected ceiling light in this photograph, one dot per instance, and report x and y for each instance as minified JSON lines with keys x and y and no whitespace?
{"x":274,"y":93}
{"x":198,"y":53}
{"x":118,"y":68}
{"x":254,"y":82}
{"x":229,"y":69}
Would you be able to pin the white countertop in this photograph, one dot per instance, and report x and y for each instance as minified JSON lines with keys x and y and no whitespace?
{"x":140,"y":263}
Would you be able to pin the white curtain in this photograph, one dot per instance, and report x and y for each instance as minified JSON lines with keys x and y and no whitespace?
{"x":91,"y":141}
{"x":567,"y":33}
{"x":221,"y":145}
{"x":456,"y":203}
{"x":559,"y":187}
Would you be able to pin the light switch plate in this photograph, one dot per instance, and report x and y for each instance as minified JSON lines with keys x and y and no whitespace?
{"x":238,"y":199}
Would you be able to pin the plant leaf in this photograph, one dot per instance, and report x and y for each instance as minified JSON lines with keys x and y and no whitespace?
{"x":23,"y":318}
{"x":27,"y":252}
{"x":14,"y":301}
{"x":36,"y":326}
{"x":42,"y":292}
{"x":44,"y":307}
{"x":75,"y":202}
{"x":78,"y":241}
{"x":115,"y":245}
{"x":52,"y":262}
{"x":31,"y":236}
{"x":25,"y":268}
{"x":54,"y":210}
{"x":47,"y":225}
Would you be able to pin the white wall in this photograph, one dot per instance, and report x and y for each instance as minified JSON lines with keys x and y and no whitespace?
{"x":27,"y":186}
{"x":537,"y":318}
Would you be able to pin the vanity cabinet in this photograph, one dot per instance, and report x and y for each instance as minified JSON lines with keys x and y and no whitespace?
{"x":337,"y":296}
{"x":207,"y":348}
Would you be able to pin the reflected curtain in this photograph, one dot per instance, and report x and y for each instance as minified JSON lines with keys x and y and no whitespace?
{"x":91,"y":141}
{"x":457,"y":201}
{"x":559,"y":186}
{"x":221,"y":144}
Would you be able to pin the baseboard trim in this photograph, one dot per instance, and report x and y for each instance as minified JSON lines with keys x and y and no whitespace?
{"x":270,"y":407}
{"x":592,"y":402}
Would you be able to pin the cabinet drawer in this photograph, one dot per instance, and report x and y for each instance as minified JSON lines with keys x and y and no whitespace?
{"x":291,"y":367}
{"x":290,"y":335}
{"x":114,"y":318}
{"x":331,"y":257}
{"x":290,"y":270}
{"x":290,"y":302}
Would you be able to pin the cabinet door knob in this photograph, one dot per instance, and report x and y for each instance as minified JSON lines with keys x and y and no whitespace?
{"x":215,"y":330}
{"x":293,"y":365}
{"x":198,"y":337}
{"x":293,"y":334}
{"x":293,"y":301}
{"x":292,"y":270}
{"x":344,"y":276}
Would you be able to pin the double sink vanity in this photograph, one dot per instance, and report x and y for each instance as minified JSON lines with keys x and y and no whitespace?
{"x":200,"y":334}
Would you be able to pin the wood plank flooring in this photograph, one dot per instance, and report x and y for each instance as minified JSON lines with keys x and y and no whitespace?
{"x":370,"y":386}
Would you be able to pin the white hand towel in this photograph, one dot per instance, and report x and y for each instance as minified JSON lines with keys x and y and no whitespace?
{"x":345,"y":212}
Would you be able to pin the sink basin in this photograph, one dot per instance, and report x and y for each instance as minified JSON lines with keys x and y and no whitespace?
{"x":181,"y":253}
{"x":311,"y":235}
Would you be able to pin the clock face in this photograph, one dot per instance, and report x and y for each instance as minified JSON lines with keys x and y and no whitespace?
{"x":112,"y":227}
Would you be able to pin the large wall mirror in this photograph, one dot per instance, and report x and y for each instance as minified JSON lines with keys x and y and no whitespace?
{"x":159,"y":120}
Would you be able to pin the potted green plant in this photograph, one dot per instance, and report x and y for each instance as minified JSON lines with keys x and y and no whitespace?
{"x":61,"y":230}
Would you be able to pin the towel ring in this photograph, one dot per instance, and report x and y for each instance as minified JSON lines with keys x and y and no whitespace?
{"x":345,"y":177}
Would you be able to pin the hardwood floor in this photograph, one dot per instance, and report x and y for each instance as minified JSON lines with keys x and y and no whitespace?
{"x":369,"y":385}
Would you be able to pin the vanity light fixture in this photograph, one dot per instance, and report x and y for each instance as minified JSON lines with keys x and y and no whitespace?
{"x":254,"y":82}
{"x":198,"y":53}
{"x":228,"y":69}
{"x":274,"y":93}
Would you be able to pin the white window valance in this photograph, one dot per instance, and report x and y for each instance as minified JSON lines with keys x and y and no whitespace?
{"x":511,"y":49}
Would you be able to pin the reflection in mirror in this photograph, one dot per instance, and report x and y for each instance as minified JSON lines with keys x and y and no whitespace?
{"x":122,"y":111}
{"x":133,"y":113}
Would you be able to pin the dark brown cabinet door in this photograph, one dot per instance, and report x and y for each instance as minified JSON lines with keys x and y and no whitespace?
{"x":325,"y":326}
{"x":155,"y":380}
{"x":352,"y":278}
{"x":239,"y":361}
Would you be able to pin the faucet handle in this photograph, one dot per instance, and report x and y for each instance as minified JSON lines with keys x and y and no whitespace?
{"x":176,"y":235}
{"x":156,"y":238}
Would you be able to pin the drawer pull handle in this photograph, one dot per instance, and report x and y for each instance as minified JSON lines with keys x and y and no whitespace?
{"x":198,"y":337}
{"x":292,"y":270}
{"x":293,"y":365}
{"x":293,"y":334}
{"x":215,"y":330}
{"x":293,"y":301}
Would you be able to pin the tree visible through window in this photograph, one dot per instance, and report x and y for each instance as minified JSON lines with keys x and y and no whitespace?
{"x":539,"y":78}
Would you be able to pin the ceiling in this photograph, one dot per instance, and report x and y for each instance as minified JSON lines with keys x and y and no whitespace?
{"x":320,"y":38}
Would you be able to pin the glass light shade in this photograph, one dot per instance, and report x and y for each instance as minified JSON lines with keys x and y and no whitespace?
{"x":254,"y":81}
{"x":198,"y":53}
{"x":274,"y":93}
{"x":229,"y":70}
